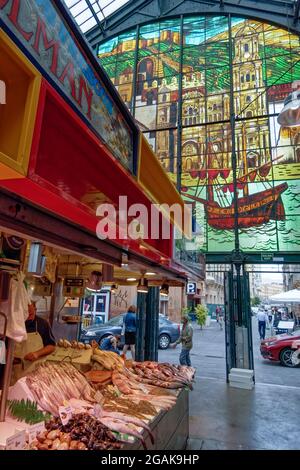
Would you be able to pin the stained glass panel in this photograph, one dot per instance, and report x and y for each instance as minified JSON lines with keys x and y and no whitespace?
{"x":193,"y":59}
{"x":217,"y":53}
{"x":265,"y":69}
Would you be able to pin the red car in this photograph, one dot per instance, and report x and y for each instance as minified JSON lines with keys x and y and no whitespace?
{"x":280,"y":348}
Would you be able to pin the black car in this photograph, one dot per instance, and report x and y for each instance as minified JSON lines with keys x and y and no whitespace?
{"x":169,"y":332}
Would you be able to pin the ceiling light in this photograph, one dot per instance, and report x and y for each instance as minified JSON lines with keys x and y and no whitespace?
{"x":113,"y":288}
{"x":124,"y":261}
{"x":164,"y":290}
{"x":149,"y":273}
{"x":131,"y":279}
{"x":142,"y":287}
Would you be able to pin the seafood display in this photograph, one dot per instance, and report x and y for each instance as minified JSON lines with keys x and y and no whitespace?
{"x":108,"y":406}
{"x":52,"y":384}
{"x":128,"y":384}
{"x":108,"y":360}
{"x":164,"y":375}
{"x":82,"y":432}
{"x":98,"y":376}
{"x":144,"y":375}
{"x":64,"y":343}
{"x":139,"y":408}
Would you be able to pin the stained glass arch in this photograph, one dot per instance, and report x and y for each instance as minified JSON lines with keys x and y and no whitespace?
{"x":183,"y":79}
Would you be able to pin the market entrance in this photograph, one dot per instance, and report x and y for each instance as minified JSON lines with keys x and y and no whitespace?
{"x":260,"y":291}
{"x":271,"y":299}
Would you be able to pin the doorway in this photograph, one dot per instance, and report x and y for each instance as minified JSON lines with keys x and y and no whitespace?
{"x":272,"y":361}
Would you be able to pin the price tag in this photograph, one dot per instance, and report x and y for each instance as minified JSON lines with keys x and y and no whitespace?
{"x":34,"y":429}
{"x":65,"y":413}
{"x":17,"y":441}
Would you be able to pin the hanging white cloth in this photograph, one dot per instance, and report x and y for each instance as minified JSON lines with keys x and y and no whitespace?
{"x":16,"y":309}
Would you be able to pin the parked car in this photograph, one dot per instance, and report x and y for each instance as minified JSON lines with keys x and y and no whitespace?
{"x":280,"y":348}
{"x":169,"y":332}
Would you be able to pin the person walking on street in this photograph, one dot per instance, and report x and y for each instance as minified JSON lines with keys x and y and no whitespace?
{"x":129,"y":329}
{"x":263,"y":321}
{"x":220,"y":318}
{"x":186,"y":340}
{"x":277,"y":317}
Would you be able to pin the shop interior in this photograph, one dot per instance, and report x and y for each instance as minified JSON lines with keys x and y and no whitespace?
{"x":70,"y":292}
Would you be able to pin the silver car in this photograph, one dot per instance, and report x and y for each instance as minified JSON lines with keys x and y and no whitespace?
{"x":169,"y":332}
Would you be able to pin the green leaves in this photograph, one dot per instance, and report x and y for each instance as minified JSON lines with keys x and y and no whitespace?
{"x":27,"y":411}
{"x":201,"y":314}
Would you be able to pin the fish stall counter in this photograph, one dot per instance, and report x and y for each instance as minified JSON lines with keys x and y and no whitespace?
{"x":145,"y":406}
{"x":170,"y":429}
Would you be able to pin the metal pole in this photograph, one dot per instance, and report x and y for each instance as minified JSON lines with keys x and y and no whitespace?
{"x":53,"y":297}
{"x":7,"y":377}
{"x":134,"y":80}
{"x":152,"y":321}
{"x":140,"y":330}
{"x":179,"y":127}
{"x":237,"y":258}
{"x":233,"y":147}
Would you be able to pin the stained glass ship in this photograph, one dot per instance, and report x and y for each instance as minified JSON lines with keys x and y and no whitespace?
{"x":253,"y":209}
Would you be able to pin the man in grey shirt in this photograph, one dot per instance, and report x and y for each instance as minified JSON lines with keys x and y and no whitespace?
{"x":186,"y":340}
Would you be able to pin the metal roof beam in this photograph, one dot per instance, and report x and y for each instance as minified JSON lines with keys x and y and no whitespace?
{"x":297,"y":10}
{"x":99,"y":23}
{"x":135,"y":12}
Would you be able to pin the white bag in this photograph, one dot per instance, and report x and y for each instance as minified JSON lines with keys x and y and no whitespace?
{"x":16,"y":309}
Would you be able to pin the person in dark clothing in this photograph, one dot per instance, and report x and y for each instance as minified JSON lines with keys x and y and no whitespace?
{"x":263,"y":322}
{"x":110,"y":343}
{"x":277,"y":317}
{"x":39,"y":343}
{"x":129,"y":328}
{"x":39,"y":326}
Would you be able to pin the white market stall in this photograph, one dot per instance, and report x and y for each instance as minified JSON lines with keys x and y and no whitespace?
{"x":289,"y":297}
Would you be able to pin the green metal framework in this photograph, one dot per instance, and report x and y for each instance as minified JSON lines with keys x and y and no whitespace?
{"x":281,"y":12}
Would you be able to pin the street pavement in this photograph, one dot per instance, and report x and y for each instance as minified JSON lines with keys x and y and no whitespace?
{"x":226,"y":418}
{"x":208,"y":357}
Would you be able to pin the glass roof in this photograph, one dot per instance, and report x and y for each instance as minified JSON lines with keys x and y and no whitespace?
{"x":88,"y":13}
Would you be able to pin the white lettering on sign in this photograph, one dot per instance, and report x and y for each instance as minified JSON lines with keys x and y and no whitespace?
{"x":2,"y":92}
{"x":191,"y":288}
{"x":16,"y":442}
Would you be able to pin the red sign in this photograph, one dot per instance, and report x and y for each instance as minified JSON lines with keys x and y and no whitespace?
{"x":50,"y":44}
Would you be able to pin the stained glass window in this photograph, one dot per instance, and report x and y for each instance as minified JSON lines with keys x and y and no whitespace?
{"x":187,"y":79}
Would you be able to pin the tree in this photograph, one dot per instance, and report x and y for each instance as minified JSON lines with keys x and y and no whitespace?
{"x":201,"y":315}
{"x":255,"y":301}
{"x":185,"y":311}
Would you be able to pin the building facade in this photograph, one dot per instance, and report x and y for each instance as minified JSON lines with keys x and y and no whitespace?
{"x":291,"y":276}
{"x":268,"y":290}
{"x":214,"y":288}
